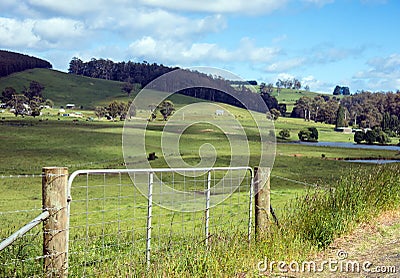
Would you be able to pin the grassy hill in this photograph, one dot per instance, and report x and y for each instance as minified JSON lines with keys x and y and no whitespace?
{"x":63,"y":88}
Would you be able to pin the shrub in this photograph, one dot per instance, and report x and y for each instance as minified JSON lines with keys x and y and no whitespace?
{"x":310,"y":134}
{"x":359,"y":136}
{"x":284,"y":133}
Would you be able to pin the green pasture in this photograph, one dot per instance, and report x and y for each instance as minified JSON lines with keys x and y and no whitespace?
{"x":113,"y":228}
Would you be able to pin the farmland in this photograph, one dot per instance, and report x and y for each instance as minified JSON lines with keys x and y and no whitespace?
{"x":28,"y":144}
{"x":33,"y":143}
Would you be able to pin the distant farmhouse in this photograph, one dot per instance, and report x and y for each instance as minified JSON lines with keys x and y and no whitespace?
{"x":70,"y":106}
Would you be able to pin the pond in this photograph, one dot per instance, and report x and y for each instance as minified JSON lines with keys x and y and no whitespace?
{"x":347,"y":145}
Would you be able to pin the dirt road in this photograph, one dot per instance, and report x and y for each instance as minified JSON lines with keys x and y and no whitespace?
{"x":372,"y":250}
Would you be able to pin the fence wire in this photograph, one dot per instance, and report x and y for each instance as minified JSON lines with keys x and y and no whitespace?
{"x":109,"y":218}
{"x":21,"y":202}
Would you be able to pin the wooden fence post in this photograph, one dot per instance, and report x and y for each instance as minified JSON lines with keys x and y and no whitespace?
{"x":55,"y":234}
{"x":262,"y":199}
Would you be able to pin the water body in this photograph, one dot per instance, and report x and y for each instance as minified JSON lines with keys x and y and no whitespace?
{"x":347,"y":145}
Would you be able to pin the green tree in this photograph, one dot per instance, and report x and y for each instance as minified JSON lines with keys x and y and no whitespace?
{"x":380,"y":136}
{"x":100,"y":112}
{"x":114,"y":109}
{"x":341,"y":117}
{"x":273,"y":114}
{"x":310,"y":134}
{"x":8,"y":94}
{"x":284,"y":133}
{"x":35,"y":106}
{"x":370,"y":137}
{"x":385,"y":124}
{"x":314,"y":133}
{"x":49,"y":103}
{"x":359,"y":136}
{"x":304,"y":135}
{"x":18,"y":103}
{"x":35,"y":90}
{"x":166,"y":108}
{"x":128,"y":88}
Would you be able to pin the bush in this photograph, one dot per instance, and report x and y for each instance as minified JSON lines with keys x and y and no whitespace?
{"x":375,"y":135}
{"x":359,"y":136}
{"x":308,"y":135}
{"x":284,"y":133}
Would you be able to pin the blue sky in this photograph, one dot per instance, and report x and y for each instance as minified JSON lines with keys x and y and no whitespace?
{"x":323,"y":43}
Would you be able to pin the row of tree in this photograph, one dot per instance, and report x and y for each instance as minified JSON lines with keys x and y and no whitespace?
{"x":121,"y":110}
{"x":368,"y":109}
{"x":371,"y":136}
{"x":11,"y":62}
{"x":290,"y":83}
{"x":363,"y":110}
{"x":132,"y":72}
{"x":116,"y":110}
{"x":321,"y":108}
{"x":29,"y":102}
{"x":186,"y":82}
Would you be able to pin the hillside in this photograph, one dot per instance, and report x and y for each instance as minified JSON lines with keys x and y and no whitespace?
{"x":63,"y":88}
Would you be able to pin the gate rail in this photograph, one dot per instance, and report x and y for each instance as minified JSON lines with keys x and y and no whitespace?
{"x":149,"y":196}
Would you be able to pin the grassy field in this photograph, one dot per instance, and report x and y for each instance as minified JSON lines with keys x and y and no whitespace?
{"x":29,"y":144}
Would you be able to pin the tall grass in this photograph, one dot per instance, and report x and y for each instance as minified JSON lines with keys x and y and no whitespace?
{"x":323,"y":214}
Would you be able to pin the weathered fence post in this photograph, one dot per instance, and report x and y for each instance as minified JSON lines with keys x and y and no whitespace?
{"x":262,"y":199}
{"x":55,"y":233}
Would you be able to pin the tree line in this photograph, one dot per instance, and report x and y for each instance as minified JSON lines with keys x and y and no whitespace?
{"x":131,"y":72}
{"x":11,"y":62}
{"x":378,"y":112}
{"x":212,"y":88}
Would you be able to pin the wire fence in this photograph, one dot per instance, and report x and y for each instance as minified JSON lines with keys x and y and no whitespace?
{"x":109,"y":227}
{"x":21,"y":202}
{"x":113,"y":221}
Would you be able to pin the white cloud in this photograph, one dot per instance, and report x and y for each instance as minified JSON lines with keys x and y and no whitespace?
{"x":316,"y":85}
{"x":181,"y":52}
{"x":167,"y":25}
{"x":219,"y":6}
{"x":287,"y":65}
{"x":14,"y":33}
{"x":70,"y":7}
{"x":384,"y":73}
{"x":40,"y":34}
{"x":56,"y":29}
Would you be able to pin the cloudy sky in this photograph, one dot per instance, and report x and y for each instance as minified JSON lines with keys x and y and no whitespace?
{"x":323,"y":43}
